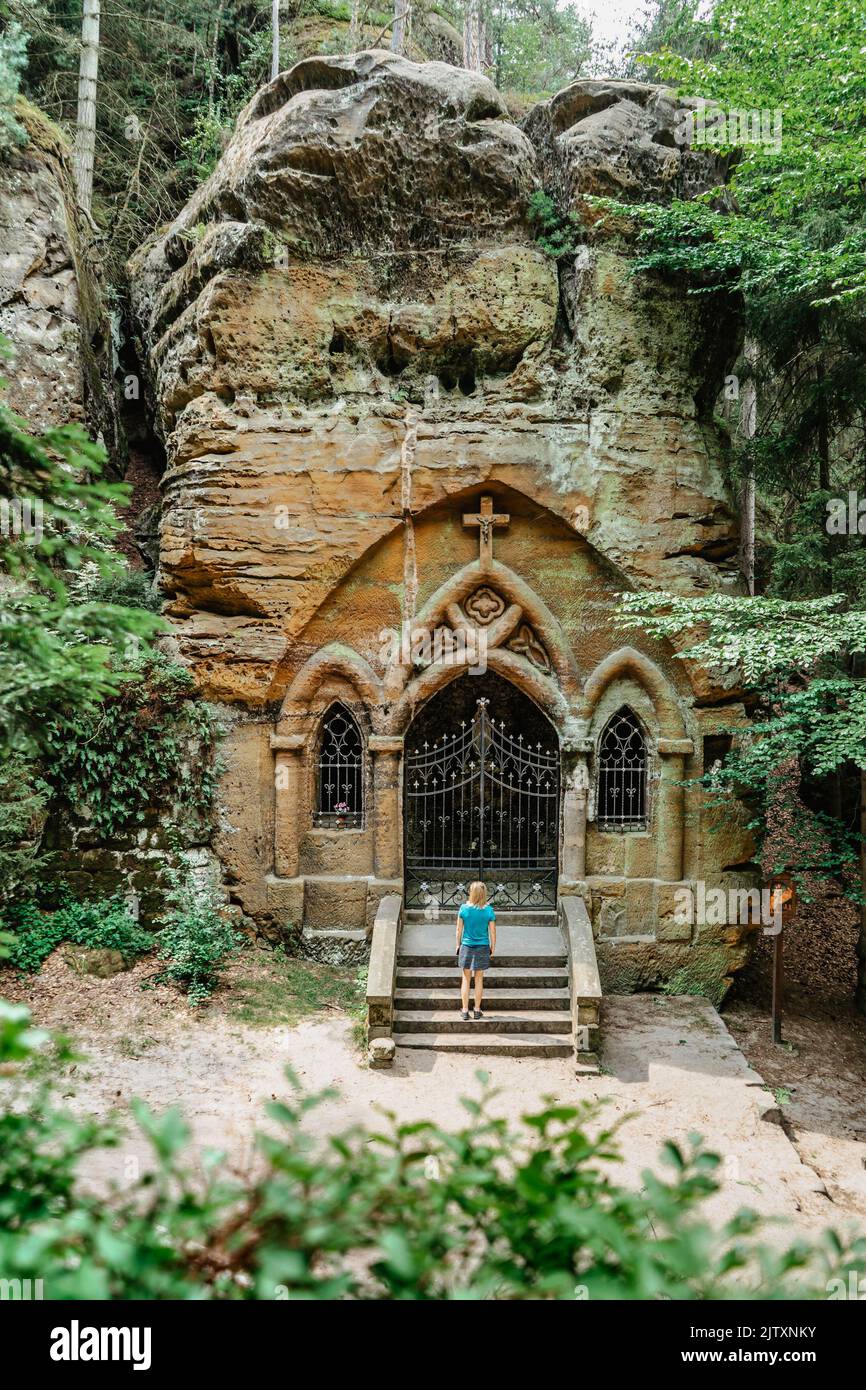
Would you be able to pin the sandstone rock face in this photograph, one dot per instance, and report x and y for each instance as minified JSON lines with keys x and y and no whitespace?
{"x":623,"y":140}
{"x":354,"y":334}
{"x":363,"y":245}
{"x":51,"y":306}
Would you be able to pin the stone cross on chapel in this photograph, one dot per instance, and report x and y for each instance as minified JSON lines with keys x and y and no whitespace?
{"x":485,"y":519}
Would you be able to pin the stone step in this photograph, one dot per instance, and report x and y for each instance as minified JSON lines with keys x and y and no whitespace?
{"x":449,"y":1021}
{"x":432,"y":977}
{"x":447,"y":915}
{"x":490,"y":1044}
{"x":440,"y":960}
{"x":513,"y":999}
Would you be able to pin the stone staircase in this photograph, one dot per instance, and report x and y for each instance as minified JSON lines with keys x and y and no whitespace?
{"x":527,"y":1001}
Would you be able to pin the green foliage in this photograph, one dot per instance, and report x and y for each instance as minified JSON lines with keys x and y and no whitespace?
{"x":204,"y":144}
{"x":810,"y":712}
{"x":806,"y":62}
{"x":671,"y":26}
{"x":808,"y":561}
{"x":105,"y":924}
{"x":13,"y":60}
{"x":40,"y":1151}
{"x":537,"y":45}
{"x":195,"y":941}
{"x":823,"y":724}
{"x":127,"y":588}
{"x":112,"y":725}
{"x":149,"y":741}
{"x":558,"y":234}
{"x":821,"y":729}
{"x":19,"y":1041}
{"x":231,"y":88}
{"x":490,"y":1210}
{"x":171,"y":81}
{"x":51,"y":649}
{"x":23,"y":797}
{"x":763,"y":638}
{"x":791,"y":240}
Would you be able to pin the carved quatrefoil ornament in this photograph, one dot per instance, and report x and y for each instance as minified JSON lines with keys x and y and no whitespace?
{"x":483,"y":605}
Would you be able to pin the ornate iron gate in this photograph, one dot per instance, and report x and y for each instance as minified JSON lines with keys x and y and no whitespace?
{"x":481,"y":804}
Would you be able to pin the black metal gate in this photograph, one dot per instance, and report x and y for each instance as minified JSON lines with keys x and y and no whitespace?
{"x":481,"y":804}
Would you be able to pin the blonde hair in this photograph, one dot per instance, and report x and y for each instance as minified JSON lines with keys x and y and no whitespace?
{"x":477,"y":894}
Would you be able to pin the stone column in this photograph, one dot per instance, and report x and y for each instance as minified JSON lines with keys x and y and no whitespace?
{"x":386,"y":752}
{"x":288,"y":765}
{"x":574,"y":806}
{"x":669,"y":819}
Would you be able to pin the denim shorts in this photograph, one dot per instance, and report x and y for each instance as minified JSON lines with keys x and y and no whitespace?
{"x":474,"y":958}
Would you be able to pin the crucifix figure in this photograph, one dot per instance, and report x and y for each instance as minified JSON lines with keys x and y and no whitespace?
{"x":485,"y":519}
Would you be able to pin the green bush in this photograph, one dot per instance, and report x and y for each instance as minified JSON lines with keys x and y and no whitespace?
{"x":129,"y":588}
{"x":195,"y":941}
{"x":23,"y":796}
{"x":489,"y":1211}
{"x":558,"y":234}
{"x":152,"y":741}
{"x":103,"y":923}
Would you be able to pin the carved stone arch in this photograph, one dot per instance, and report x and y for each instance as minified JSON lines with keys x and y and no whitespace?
{"x":336,"y":674}
{"x":540,"y":688}
{"x":518,"y":608}
{"x":322,"y":676}
{"x":672,"y":746}
{"x":628,"y":663}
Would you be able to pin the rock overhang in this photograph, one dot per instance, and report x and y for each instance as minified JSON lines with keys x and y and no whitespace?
{"x":363,"y":253}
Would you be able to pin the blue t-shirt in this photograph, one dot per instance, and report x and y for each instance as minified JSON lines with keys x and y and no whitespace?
{"x":476,"y":923}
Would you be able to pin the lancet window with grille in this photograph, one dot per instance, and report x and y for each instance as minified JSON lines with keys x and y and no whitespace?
{"x":340,"y":772}
{"x":622,"y":774}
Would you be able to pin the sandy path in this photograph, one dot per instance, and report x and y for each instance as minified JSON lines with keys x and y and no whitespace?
{"x":670,"y":1064}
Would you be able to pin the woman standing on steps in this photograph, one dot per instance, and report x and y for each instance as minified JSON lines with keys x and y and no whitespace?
{"x":476,"y":945}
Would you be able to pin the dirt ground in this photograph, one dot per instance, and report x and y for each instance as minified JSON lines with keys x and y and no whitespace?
{"x":669,"y":1064}
{"x":819,"y":1072}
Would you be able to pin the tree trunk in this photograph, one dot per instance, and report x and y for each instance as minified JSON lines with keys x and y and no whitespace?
{"x":860,"y":996}
{"x":823,"y":431}
{"x":473,"y":37}
{"x":402,"y":11}
{"x":355,"y":26}
{"x":275,"y":38}
{"x":748,"y":426}
{"x":211,"y":80}
{"x":85,"y":129}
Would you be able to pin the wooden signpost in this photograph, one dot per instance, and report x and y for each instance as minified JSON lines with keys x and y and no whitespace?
{"x":783,"y":905}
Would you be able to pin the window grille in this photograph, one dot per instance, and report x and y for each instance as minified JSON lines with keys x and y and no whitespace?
{"x":340,"y":772}
{"x":622,"y":775}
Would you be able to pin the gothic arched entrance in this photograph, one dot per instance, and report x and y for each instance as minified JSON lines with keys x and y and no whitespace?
{"x":481,"y":797}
